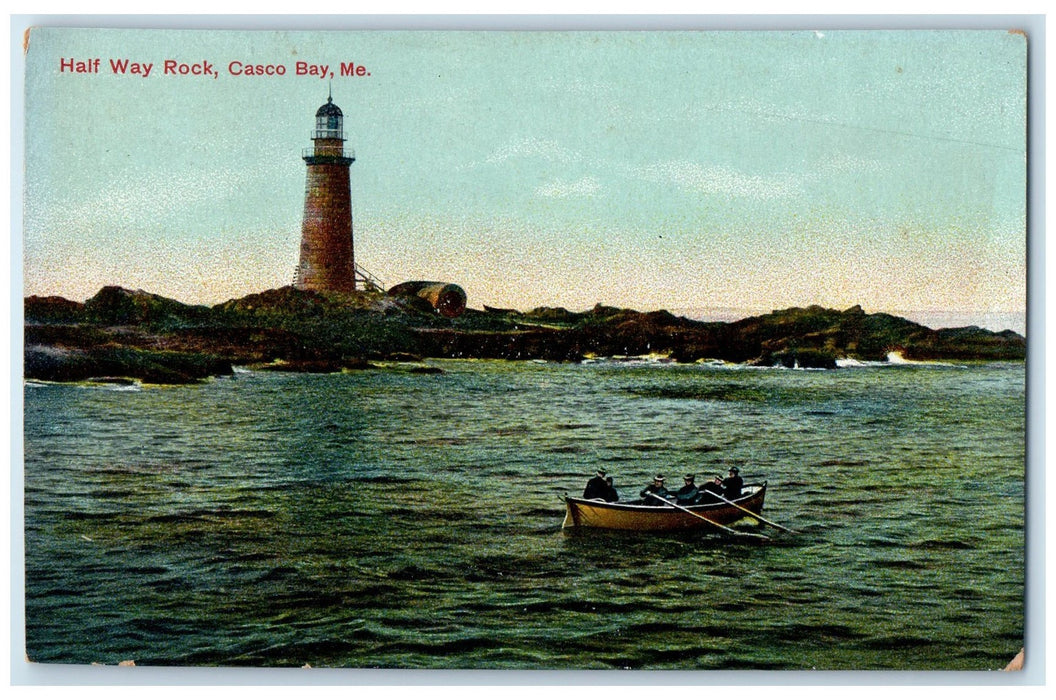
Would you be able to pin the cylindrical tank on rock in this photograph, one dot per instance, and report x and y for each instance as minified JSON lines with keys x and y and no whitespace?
{"x":449,"y":300}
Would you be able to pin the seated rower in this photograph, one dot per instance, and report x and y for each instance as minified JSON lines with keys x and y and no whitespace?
{"x":597,"y":486}
{"x":689,"y":493}
{"x":732,"y":484}
{"x":709,"y":491}
{"x":650,"y":492}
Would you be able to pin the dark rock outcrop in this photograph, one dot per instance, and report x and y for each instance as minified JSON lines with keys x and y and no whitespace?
{"x":120,"y":333}
{"x":115,"y":306}
{"x":109,"y":363}
{"x":53,"y":310}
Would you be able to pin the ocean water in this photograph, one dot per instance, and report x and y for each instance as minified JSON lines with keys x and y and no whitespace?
{"x":393,"y":519}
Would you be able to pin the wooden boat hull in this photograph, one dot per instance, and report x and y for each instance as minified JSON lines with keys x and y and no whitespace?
{"x":580,"y":512}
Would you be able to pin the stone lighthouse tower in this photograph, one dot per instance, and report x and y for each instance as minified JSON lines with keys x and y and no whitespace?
{"x":327,"y":262}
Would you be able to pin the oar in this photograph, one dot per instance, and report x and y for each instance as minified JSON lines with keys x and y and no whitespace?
{"x":709,"y":521}
{"x":753,"y":514}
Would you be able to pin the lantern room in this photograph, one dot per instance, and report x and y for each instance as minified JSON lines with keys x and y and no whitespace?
{"x":328,"y":121}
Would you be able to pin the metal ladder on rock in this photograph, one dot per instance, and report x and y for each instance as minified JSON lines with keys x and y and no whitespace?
{"x":364,"y":277}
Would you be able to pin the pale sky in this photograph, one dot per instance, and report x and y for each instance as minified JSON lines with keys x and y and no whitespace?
{"x":683,"y":170}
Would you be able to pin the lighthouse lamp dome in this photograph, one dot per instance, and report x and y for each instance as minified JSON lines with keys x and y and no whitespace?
{"x":328,"y":121}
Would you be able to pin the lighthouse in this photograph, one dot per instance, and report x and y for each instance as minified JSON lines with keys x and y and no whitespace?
{"x":327,"y":262}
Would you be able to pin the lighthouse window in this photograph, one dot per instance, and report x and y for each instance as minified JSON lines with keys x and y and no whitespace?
{"x":332,"y":122}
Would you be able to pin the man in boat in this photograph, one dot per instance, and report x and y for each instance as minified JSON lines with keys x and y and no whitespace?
{"x":689,"y":493}
{"x":655,"y":489}
{"x":709,"y":490}
{"x":610,"y":491}
{"x":732,"y":484}
{"x":597,"y":487}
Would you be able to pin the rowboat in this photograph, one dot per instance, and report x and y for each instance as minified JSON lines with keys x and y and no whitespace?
{"x":581,"y":512}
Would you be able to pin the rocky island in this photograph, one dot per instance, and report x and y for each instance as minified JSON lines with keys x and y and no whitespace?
{"x":121,"y":334}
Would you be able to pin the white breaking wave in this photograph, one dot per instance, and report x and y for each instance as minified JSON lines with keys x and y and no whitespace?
{"x":851,"y":363}
{"x":98,"y":386}
{"x":108,"y":386}
{"x":895,"y":358}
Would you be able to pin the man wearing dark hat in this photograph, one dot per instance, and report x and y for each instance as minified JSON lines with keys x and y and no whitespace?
{"x":709,"y":490}
{"x":597,"y":487}
{"x":732,"y":484}
{"x":688,"y":494}
{"x":655,"y":489}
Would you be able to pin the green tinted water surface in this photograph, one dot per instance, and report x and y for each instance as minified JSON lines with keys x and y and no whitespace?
{"x":399,"y":520}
